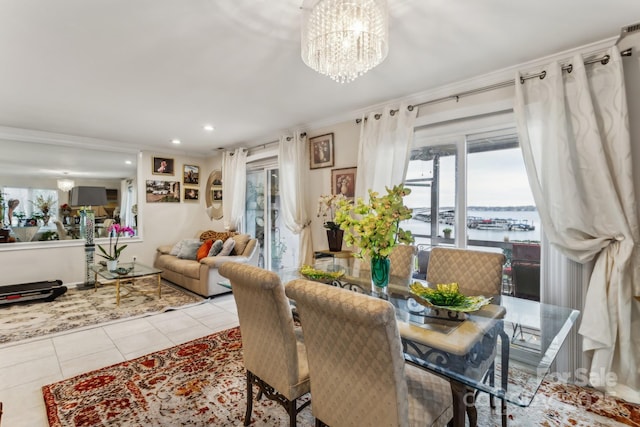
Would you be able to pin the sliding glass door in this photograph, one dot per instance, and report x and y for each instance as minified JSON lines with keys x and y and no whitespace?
{"x":278,"y":246}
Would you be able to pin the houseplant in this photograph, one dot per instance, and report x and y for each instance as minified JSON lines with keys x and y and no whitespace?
{"x":112,"y":256}
{"x":327,"y":206}
{"x":447,"y":232}
{"x":374,"y":229}
{"x":44,"y":204}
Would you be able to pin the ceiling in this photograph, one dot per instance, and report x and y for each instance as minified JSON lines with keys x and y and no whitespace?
{"x":143,"y":72}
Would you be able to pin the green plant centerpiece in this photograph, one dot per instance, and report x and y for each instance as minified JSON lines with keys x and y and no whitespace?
{"x":374,"y":229}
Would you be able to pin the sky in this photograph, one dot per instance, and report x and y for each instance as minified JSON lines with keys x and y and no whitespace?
{"x":494,"y":178}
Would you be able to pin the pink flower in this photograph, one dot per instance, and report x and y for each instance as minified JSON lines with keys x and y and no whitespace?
{"x":117,"y":230}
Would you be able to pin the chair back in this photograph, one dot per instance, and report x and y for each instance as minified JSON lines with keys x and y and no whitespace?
{"x":269,"y":344}
{"x":355,"y":356}
{"x":476,"y":272}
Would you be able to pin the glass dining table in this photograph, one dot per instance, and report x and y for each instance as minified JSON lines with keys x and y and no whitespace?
{"x":504,"y":349}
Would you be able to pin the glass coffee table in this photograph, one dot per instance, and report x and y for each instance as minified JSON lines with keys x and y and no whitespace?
{"x":126,"y":273}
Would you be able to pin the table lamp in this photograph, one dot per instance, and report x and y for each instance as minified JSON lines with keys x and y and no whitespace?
{"x":87,"y":197}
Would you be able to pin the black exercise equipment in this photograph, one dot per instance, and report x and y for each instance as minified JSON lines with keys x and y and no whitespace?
{"x":45,"y":291}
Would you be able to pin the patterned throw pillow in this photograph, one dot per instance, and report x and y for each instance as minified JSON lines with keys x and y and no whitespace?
{"x":241,"y":243}
{"x":227,"y":247}
{"x":203,"y":250}
{"x":189,"y":249}
{"x":215,"y":235}
{"x":216,"y":247}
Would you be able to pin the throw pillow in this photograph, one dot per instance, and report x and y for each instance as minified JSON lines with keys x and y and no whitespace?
{"x":215,"y":235}
{"x":227,"y":247}
{"x":216,"y":248}
{"x":241,"y":243}
{"x":176,"y":248}
{"x":189,"y":249}
{"x":203,"y":250}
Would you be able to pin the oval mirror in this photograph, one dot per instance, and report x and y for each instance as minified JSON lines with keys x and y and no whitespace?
{"x":213,"y":195}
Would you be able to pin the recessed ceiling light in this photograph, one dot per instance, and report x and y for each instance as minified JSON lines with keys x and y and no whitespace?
{"x":128,"y":162}
{"x":209,"y":128}
{"x":176,"y":141}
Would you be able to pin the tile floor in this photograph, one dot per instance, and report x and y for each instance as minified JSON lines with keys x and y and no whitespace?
{"x":28,"y":365}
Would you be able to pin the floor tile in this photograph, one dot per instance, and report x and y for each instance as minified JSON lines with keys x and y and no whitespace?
{"x":215,"y":320}
{"x":147,"y":341}
{"x":29,"y":371}
{"x":188,"y":334}
{"x":82,"y":343}
{"x":201,"y":310}
{"x":170,"y":324}
{"x":80,"y":365}
{"x":21,"y":353}
{"x":131,"y":327}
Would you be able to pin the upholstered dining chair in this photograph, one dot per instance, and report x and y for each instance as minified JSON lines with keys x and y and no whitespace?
{"x":402,"y":262}
{"x":357,"y":369}
{"x":477,"y":273}
{"x":274,"y":355}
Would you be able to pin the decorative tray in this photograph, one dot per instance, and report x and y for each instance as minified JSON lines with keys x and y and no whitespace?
{"x":447,"y":297}
{"x":122,"y":270}
{"x":320,"y":275}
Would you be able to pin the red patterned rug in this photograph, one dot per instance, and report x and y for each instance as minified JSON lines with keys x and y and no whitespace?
{"x":202,"y":383}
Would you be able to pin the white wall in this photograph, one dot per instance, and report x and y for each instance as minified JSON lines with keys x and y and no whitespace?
{"x":345,"y":144}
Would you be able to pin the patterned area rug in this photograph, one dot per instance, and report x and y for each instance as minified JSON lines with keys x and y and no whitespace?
{"x":78,"y":308}
{"x":202,"y":382}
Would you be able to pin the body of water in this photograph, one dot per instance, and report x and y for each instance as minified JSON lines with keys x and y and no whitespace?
{"x":524,"y":217}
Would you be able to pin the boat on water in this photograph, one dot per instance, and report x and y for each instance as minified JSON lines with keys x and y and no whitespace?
{"x":475,"y":222}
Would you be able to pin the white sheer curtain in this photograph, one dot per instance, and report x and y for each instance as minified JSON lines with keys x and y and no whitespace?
{"x":234,"y":185}
{"x":574,"y":133}
{"x":384,"y":149}
{"x":292,"y":176}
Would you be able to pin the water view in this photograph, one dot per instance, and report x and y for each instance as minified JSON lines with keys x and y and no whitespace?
{"x":493,"y":225}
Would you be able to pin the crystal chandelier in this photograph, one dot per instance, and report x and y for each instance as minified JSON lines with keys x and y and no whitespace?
{"x":344,"y":39}
{"x":65,"y":184}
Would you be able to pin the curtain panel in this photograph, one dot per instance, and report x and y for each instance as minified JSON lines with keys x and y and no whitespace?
{"x":234,"y":186}
{"x":384,"y":150}
{"x":574,"y":134}
{"x":292,"y":182}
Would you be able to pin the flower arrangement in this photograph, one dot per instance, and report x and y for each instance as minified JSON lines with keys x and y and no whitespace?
{"x":327,"y":206}
{"x":44,"y":203}
{"x":374,"y":228}
{"x":118,"y":230}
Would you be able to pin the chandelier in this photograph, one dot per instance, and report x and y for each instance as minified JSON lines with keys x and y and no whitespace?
{"x":65,"y":184}
{"x":344,"y":39}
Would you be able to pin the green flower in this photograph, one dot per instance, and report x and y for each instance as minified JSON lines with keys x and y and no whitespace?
{"x":374,"y":228}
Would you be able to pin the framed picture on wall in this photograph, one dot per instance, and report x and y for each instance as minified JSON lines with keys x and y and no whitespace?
{"x":343,"y":181}
{"x":163,"y":191}
{"x":191,"y":175}
{"x":162,"y":166}
{"x":191,"y":194}
{"x":321,"y":151}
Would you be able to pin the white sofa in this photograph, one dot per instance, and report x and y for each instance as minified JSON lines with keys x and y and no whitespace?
{"x":202,"y":277}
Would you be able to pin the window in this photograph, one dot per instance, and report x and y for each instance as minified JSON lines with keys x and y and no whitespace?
{"x":471,"y":190}
{"x":28,"y":208}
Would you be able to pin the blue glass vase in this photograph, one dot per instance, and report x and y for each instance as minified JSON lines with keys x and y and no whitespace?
{"x":380,"y":268}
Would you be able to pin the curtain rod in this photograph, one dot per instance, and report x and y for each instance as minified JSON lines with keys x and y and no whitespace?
{"x":289,"y":138}
{"x":568,"y":68}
